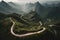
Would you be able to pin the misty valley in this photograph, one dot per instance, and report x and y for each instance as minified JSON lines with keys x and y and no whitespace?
{"x":30,"y":21}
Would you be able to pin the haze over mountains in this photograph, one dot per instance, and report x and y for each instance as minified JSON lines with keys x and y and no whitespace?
{"x":29,"y":15}
{"x":7,"y":8}
{"x":42,"y":9}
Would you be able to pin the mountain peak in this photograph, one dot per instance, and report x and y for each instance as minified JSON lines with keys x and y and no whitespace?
{"x":37,"y":2}
{"x":3,"y":1}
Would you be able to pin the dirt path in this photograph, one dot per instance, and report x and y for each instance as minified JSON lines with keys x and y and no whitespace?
{"x":22,"y":35}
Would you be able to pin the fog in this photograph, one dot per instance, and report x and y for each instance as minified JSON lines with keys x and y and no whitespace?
{"x":26,"y":1}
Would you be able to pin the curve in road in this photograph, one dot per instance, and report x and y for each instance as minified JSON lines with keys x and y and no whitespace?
{"x":23,"y":35}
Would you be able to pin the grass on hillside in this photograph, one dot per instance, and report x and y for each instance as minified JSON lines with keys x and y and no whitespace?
{"x":20,"y":26}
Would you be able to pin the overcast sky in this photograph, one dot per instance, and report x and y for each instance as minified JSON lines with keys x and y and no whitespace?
{"x":27,"y":1}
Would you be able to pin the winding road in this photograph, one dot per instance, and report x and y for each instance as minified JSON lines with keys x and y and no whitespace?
{"x":23,"y":35}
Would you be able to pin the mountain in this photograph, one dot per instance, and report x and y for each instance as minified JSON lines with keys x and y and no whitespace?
{"x":31,"y":16}
{"x":40,"y":9}
{"x":16,"y":6}
{"x":2,"y":16}
{"x":35,"y":16}
{"x":10,"y":7}
{"x":5,"y":7}
{"x":54,"y":13}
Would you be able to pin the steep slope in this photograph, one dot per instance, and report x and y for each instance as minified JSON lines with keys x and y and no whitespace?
{"x":10,"y":7}
{"x":5,"y":7}
{"x":2,"y":16}
{"x":39,"y":8}
{"x":54,"y":14}
{"x":17,"y":7}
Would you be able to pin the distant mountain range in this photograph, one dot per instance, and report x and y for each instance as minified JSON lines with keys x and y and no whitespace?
{"x":43,"y":10}
{"x":7,"y":8}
